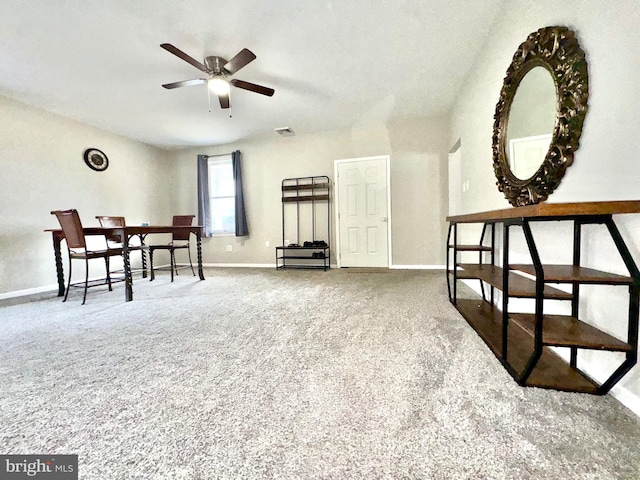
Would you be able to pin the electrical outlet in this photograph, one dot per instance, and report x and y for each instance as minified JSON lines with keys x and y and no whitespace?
{"x":229,"y":248}
{"x":266,"y":244}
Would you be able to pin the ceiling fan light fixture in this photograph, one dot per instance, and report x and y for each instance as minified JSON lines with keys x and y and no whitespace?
{"x":219,"y":86}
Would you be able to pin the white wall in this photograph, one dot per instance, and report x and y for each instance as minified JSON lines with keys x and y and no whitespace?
{"x":418,"y":185}
{"x":606,"y":166}
{"x":42,"y":169}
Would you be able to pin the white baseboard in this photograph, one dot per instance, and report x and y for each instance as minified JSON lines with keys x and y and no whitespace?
{"x":51,"y":288}
{"x":619,"y":392}
{"x":417,"y":267}
{"x":247,"y":265}
{"x":46,"y":288}
{"x":240,"y":265}
{"x":28,"y":291}
{"x":625,"y":397}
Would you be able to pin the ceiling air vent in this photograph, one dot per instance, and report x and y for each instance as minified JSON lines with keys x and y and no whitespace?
{"x":285,"y":132}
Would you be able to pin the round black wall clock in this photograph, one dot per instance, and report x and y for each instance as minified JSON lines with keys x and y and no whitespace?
{"x":96,"y":159}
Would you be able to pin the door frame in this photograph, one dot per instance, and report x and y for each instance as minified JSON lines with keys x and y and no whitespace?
{"x":336,"y":189}
{"x":454,"y":170}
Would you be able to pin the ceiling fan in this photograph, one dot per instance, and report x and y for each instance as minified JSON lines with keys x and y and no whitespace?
{"x":218,"y":70}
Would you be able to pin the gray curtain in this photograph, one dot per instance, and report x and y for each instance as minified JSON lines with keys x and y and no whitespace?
{"x":242,"y":230}
{"x":204,"y":215}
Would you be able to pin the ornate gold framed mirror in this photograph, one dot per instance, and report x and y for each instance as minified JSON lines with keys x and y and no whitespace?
{"x":539,"y":116}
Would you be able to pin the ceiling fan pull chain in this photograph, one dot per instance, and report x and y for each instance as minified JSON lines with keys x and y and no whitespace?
{"x":209,"y":97}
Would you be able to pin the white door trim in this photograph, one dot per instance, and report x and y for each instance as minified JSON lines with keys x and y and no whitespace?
{"x":336,"y":163}
{"x":454,"y":167}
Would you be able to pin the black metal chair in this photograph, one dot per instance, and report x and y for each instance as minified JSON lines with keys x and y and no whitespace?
{"x":114,"y":241}
{"x":77,"y":248}
{"x":110,"y":221}
{"x":179,"y":240}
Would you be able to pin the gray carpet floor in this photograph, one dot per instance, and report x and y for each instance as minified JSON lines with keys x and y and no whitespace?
{"x":288,"y":375}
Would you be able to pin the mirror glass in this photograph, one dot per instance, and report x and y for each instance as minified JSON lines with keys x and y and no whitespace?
{"x":532,"y":118}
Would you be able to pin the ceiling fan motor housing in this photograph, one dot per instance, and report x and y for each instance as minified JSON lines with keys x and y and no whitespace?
{"x":215,"y":65}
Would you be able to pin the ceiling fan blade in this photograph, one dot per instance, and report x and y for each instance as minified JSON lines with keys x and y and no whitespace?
{"x":252,"y":87}
{"x":180,"y":54}
{"x":224,"y":100}
{"x":240,"y":60}
{"x":185,"y":83}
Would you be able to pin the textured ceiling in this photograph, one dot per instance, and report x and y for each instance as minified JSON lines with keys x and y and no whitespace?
{"x":333,"y":64}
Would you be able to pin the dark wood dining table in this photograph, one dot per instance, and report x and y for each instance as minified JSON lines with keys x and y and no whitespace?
{"x":125,"y":234}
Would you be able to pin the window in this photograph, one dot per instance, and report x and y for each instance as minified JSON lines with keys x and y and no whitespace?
{"x":222,"y":195}
{"x":221,"y":208}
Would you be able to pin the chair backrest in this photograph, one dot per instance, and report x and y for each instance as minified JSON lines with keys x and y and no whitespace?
{"x":109,"y":221}
{"x":71,"y":227}
{"x":182,"y":221}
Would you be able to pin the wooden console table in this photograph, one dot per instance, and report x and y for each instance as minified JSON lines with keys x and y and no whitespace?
{"x":523,"y":341}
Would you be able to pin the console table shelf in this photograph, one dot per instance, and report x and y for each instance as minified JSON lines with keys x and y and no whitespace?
{"x":566,"y":331}
{"x":519,"y":286}
{"x":527,"y":343}
{"x":551,"y":371}
{"x":572,"y":273}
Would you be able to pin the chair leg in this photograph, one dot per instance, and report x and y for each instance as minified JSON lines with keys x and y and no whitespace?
{"x":86,"y":279}
{"x":151,"y":263}
{"x":106,"y":262}
{"x":190,"y":263}
{"x":68,"y":283}
{"x":173,"y":262}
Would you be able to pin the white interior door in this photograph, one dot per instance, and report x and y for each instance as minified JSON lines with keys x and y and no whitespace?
{"x":455,"y":182}
{"x":363,"y":215}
